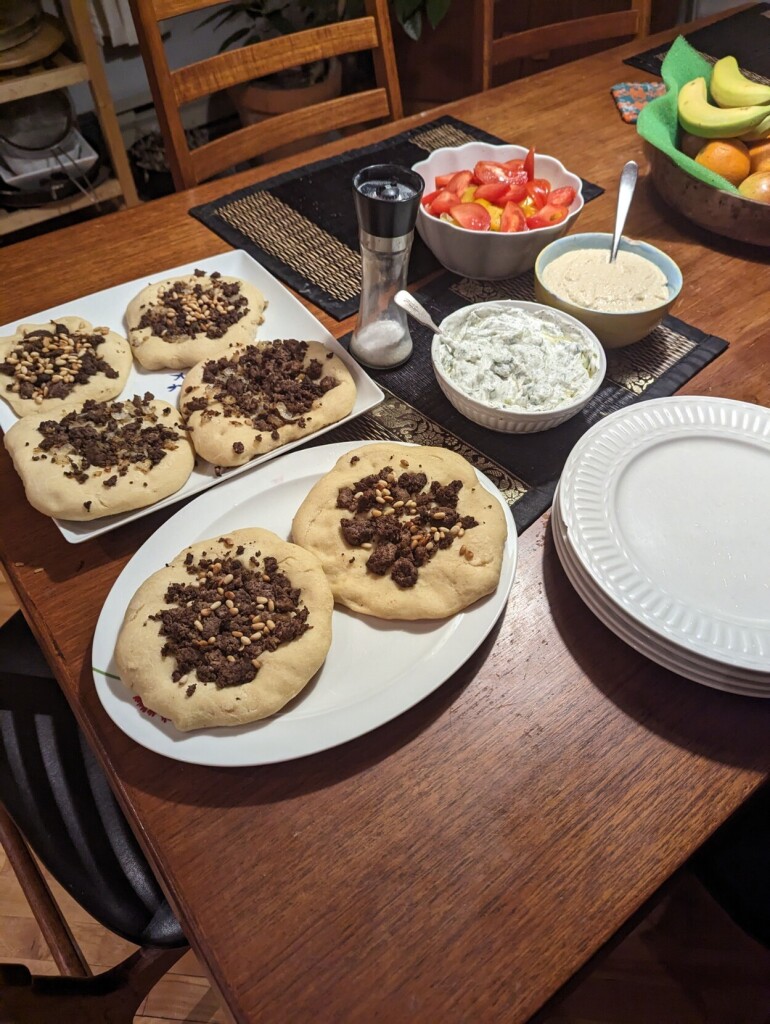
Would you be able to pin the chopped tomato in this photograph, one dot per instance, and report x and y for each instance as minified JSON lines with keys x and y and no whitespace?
{"x":515,"y":165}
{"x":489,"y":171}
{"x":516,"y":191}
{"x":547,"y":217}
{"x":459,"y":182}
{"x":492,"y":192}
{"x":442,"y":180}
{"x":564,"y":196}
{"x":427,"y":200}
{"x":529,"y":163}
{"x":443,"y":202}
{"x":538,"y":190}
{"x":472,"y":216}
{"x":513,"y":219}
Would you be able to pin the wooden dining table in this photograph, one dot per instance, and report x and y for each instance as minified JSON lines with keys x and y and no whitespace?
{"x":462,"y":862}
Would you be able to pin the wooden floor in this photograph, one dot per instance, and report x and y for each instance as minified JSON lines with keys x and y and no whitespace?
{"x":686,"y":963}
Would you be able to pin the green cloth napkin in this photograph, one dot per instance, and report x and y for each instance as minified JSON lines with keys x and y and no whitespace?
{"x":659,"y":122}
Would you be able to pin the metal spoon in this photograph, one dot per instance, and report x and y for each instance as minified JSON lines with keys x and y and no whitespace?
{"x":410,"y":304}
{"x":626,"y":188}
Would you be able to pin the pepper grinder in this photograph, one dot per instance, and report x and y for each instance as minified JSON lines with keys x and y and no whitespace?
{"x":387,"y":198}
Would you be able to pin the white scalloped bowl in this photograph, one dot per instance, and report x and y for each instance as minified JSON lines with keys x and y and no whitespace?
{"x":508,"y":421}
{"x":490,"y":255}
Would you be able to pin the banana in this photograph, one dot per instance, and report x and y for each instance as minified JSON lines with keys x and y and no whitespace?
{"x":699,"y":117}
{"x":731,"y":88}
{"x":759,"y":132}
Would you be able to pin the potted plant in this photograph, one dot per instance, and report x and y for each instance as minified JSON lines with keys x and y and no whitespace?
{"x":284,"y":91}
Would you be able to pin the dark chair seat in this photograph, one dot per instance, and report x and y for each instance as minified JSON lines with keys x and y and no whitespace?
{"x":734,"y":865}
{"x":56,"y":793}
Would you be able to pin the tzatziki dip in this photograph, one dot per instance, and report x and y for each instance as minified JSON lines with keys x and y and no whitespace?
{"x":514,"y":359}
{"x":586,"y":278}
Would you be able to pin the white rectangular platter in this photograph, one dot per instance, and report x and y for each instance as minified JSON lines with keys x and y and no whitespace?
{"x":285,"y":317}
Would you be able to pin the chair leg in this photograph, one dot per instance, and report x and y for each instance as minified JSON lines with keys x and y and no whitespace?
{"x":64,"y":950}
{"x":109,"y":998}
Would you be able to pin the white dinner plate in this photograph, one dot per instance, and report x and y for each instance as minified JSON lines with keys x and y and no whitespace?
{"x":630,"y":633}
{"x":666,"y":504}
{"x":285,"y":317}
{"x":651,"y":641}
{"x":375,"y":670}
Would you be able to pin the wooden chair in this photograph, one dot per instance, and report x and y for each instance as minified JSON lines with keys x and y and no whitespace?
{"x":56,"y":802}
{"x":172,"y":89}
{"x":490,"y":51}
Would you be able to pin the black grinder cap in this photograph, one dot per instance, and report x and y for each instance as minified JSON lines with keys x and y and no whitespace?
{"x":377,"y":213}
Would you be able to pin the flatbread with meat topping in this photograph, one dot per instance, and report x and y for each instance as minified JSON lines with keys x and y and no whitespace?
{"x":101,"y":458}
{"x":44,"y":367}
{"x":229,"y":632}
{"x":175,"y":323}
{"x":264,"y":396}
{"x":404,"y":532}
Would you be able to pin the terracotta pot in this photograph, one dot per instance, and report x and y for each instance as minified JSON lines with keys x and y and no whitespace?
{"x":257,"y":101}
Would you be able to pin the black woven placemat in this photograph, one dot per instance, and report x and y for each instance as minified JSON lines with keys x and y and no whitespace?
{"x":744,"y":35}
{"x":302,"y":226}
{"x":526,"y":467}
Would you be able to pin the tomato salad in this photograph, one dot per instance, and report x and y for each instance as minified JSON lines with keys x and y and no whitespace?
{"x":499,"y":197}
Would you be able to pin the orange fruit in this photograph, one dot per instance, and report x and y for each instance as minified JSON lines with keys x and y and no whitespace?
{"x":756,"y":186}
{"x":728,"y":157}
{"x":759,"y":154}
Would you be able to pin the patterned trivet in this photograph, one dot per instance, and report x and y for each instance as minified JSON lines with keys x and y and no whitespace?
{"x":526,"y":467}
{"x":302,"y":227}
{"x":744,"y":35}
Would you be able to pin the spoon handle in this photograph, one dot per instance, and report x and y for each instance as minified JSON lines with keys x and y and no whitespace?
{"x":628,"y":178}
{"x":414,"y":309}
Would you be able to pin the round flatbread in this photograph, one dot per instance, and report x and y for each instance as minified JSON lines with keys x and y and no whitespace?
{"x":203,"y":658}
{"x":177,"y":322}
{"x":101,"y":458}
{"x":404,"y":532}
{"x":262,"y":397}
{"x":44,"y":367}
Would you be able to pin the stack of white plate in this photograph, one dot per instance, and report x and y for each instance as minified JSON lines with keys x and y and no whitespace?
{"x":662,"y":523}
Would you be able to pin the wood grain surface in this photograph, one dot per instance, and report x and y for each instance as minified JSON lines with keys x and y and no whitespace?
{"x":463,"y":861}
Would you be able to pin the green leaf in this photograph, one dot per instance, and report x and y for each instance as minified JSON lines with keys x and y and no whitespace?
{"x":238,"y":34}
{"x":413,"y":25}
{"x":436,"y":10}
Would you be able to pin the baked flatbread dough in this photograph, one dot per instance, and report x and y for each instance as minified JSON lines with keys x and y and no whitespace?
{"x":199,"y":318}
{"x":450,"y":580}
{"x":282,"y":673}
{"x":232,"y":408}
{"x":162,"y":461}
{"x":44,"y":367}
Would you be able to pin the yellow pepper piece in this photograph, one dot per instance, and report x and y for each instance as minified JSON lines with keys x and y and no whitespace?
{"x":468,"y":194}
{"x":528,"y":207}
{"x":495,"y":213}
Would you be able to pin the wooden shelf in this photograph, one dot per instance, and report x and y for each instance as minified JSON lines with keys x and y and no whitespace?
{"x":59,"y":72}
{"x":15,"y":220}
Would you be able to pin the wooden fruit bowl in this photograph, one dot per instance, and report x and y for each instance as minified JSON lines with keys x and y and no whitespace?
{"x":721,"y":212}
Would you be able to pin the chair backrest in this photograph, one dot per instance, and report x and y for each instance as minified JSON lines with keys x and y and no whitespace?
{"x":172,"y":89}
{"x":491,"y":51}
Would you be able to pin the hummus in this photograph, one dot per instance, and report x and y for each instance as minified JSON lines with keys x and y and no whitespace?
{"x":513,"y":359}
{"x":586,"y":278}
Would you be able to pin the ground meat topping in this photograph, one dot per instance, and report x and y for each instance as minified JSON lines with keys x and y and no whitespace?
{"x":403,"y":521}
{"x":266,"y":385}
{"x":186,"y":309}
{"x":221,"y":620}
{"x":51,"y":363}
{"x":107,"y":439}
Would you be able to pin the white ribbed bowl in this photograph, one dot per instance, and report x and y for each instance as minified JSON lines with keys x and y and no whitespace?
{"x":490,"y":255}
{"x":504,"y":420}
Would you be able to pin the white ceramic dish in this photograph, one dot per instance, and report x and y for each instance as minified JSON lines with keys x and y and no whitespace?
{"x":490,"y":255}
{"x":644,"y":644}
{"x":404,"y":662}
{"x":285,"y":317}
{"x":505,"y":420}
{"x":666,"y":507}
{"x":614,"y":330}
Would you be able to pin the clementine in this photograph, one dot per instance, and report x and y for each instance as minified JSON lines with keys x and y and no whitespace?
{"x":757,"y":187}
{"x":759,"y":154}
{"x":728,"y":157}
